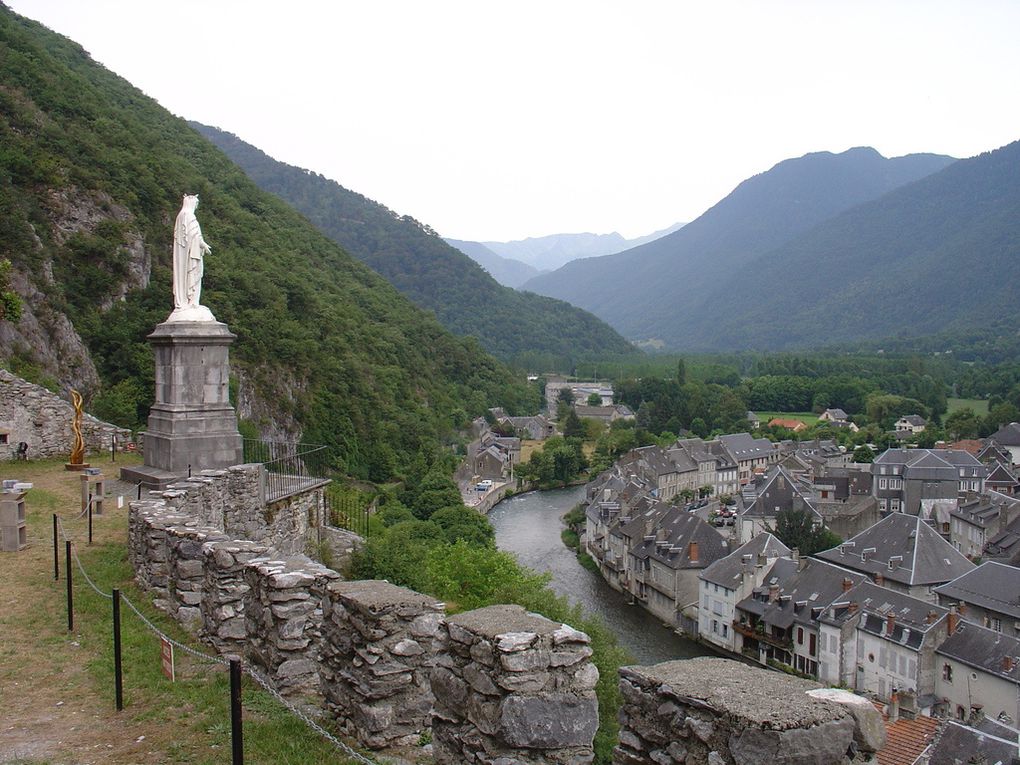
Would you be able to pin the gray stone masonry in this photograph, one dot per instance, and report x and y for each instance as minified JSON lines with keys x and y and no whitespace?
{"x":283,"y":619}
{"x":376,"y":658}
{"x":185,"y":569}
{"x":42,"y":419}
{"x":148,"y":521}
{"x":710,"y":711}
{"x":225,"y":592}
{"x":512,"y":688}
{"x":191,"y":421}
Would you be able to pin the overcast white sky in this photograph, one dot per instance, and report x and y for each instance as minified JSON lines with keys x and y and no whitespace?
{"x":497,"y":121}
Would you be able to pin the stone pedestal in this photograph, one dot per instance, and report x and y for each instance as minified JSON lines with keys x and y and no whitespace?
{"x":191,"y":422}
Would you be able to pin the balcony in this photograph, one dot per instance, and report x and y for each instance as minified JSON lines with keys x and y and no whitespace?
{"x":752,"y":632}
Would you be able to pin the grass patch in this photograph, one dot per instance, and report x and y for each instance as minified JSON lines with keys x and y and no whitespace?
{"x":978,"y":405}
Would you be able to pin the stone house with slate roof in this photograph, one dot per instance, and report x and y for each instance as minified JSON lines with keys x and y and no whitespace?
{"x":748,"y":453}
{"x":991,"y":451}
{"x":1008,"y":437}
{"x":1004,"y":547}
{"x":914,"y":480}
{"x":903,"y":553}
{"x":779,"y":491}
{"x":666,"y":561}
{"x":911,"y":423}
{"x":989,"y":595}
{"x":977,"y":518}
{"x":728,"y":581}
{"x":978,"y":667}
{"x":833,"y":415}
{"x":894,"y":643}
{"x":1001,"y":478}
{"x":987,"y":742}
{"x":536,"y":427}
{"x":779,"y":623}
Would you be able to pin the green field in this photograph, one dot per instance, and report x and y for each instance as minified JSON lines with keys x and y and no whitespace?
{"x":808,"y":418}
{"x":979,"y":405}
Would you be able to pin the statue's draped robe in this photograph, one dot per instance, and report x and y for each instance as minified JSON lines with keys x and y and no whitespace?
{"x":188,"y":254}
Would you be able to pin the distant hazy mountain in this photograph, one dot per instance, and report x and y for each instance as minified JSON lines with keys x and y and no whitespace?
{"x":936,"y":256}
{"x":416,"y":261}
{"x":506,"y":271}
{"x":660,"y":290}
{"x":545,"y":253}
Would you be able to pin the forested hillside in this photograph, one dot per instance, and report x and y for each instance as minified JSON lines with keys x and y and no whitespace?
{"x":662,"y":290}
{"x":937,"y":256}
{"x":91,"y":177}
{"x":436,"y":276}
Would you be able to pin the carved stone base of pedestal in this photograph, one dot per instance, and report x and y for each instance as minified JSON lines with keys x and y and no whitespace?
{"x":191,"y":423}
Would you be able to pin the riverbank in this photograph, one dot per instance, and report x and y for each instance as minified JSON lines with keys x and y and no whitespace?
{"x":529,"y":526}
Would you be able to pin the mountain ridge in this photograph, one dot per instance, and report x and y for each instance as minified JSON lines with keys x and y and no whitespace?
{"x":433,"y":274}
{"x":761,"y":213}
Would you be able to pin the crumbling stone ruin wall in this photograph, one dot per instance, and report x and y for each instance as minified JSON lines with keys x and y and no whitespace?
{"x":283,"y":619}
{"x":186,"y":570}
{"x":225,"y":593}
{"x":42,"y":419}
{"x":513,"y":687}
{"x":377,"y":654}
{"x":721,"y":712}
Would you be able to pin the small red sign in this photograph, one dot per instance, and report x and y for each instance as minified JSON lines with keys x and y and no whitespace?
{"x":166,"y":656}
{"x":130,"y":446}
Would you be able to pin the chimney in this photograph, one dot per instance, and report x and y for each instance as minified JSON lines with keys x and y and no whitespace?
{"x":893,"y":710}
{"x":961,"y":608}
{"x":1007,"y":664}
{"x":932,"y":617}
{"x":773,"y":593}
{"x":890,"y":623}
{"x":692,"y":552}
{"x":879,"y":579}
{"x":848,"y":584}
{"x":852,"y":608}
{"x":762,"y":560}
{"x":954,"y":620}
{"x":977,"y":714}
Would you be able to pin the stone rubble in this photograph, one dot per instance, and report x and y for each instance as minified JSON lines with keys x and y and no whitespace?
{"x":377,"y":655}
{"x":512,"y":688}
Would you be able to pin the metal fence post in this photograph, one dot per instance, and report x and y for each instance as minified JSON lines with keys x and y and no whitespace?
{"x":118,"y":681}
{"x":56,"y":551}
{"x":70,"y":591}
{"x":235,"y":712}
{"x":90,"y":518}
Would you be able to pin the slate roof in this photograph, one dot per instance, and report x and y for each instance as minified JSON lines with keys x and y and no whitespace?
{"x":958,"y":743}
{"x":913,"y":419}
{"x":991,"y":585}
{"x":980,"y":511}
{"x":765,"y":503}
{"x":911,"y":614}
{"x":674,"y":530}
{"x":925,"y":558}
{"x":1000,"y":475}
{"x":984,"y":649}
{"x":929,"y":463}
{"x":835,"y":414}
{"x":1004,"y":547}
{"x":726,"y":571}
{"x":742,"y":446}
{"x":992,"y":451}
{"x":803,"y":594}
{"x":1007,"y":435}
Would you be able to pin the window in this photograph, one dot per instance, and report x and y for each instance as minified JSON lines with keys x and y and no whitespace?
{"x":812,"y":645}
{"x":800,"y":636}
{"x":997,"y":625}
{"x":726,"y":630}
{"x":715,"y":626}
{"x":883,"y":483}
{"x":947,"y":673}
{"x":4,"y":438}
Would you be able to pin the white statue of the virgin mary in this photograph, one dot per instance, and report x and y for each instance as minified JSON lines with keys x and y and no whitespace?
{"x":190,"y":250}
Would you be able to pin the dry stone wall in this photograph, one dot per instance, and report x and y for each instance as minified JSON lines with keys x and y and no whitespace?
{"x":283,"y":619}
{"x":186,"y":569}
{"x":513,"y":688}
{"x":377,"y":654}
{"x":42,"y":419}
{"x":721,"y":712}
{"x":225,"y":593}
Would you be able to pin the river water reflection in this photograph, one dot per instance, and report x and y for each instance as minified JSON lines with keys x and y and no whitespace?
{"x":529,"y":526}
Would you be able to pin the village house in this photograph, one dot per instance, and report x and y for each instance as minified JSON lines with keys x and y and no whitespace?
{"x":1001,"y":478}
{"x":988,"y":595}
{"x":777,"y":492}
{"x":1004,"y":547}
{"x":728,"y":581}
{"x":748,"y":453}
{"x":534,"y":428}
{"x":895,"y":641}
{"x":607,"y":413}
{"x":979,"y":671}
{"x":795,"y":425}
{"x":833,"y":415}
{"x":914,"y":480}
{"x":779,"y":623}
{"x":977,"y":518}
{"x":666,"y":561}
{"x":911,"y":423}
{"x":1008,"y":437}
{"x":903,"y":553}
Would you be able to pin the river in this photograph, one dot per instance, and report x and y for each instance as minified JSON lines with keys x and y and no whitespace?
{"x":529,"y":526}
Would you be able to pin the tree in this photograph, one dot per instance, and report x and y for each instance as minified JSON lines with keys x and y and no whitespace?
{"x":459,"y":522}
{"x":797,"y":528}
{"x":566,"y":396}
{"x":10,"y":301}
{"x":437,"y":490}
{"x":963,"y":423}
{"x":863,"y":454}
{"x":572,"y":425}
{"x":594,"y":399}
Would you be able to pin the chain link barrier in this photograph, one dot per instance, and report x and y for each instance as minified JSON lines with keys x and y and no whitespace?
{"x":245,"y":666}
